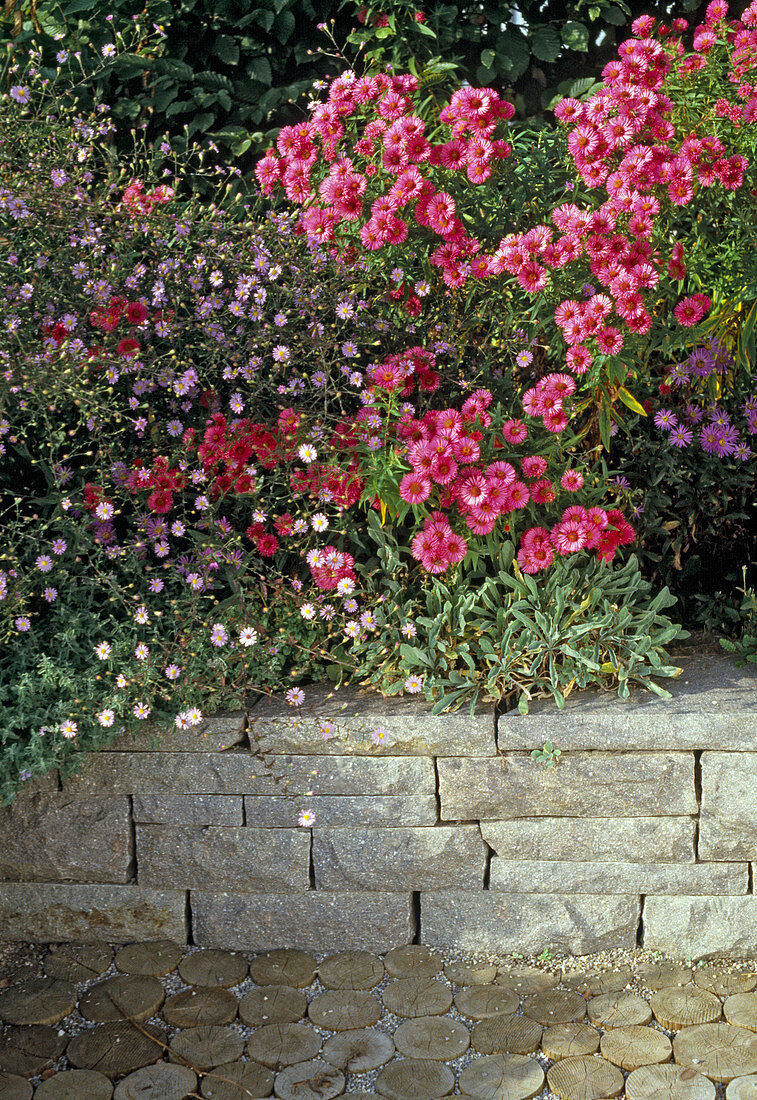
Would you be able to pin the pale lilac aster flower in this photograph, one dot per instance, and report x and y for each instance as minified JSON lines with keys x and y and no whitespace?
{"x":69,"y":729}
{"x":106,"y":718}
{"x":666,"y":418}
{"x":295,"y":697}
{"x":306,"y":818}
{"x":414,"y":684}
{"x":379,"y":736}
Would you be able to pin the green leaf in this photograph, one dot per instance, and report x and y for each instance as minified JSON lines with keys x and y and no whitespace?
{"x":227,"y":49}
{"x":284,"y":26}
{"x":576,"y":36}
{"x":630,"y":401}
{"x":604,"y":425}
{"x":72,"y":7}
{"x":614,"y":16}
{"x":578,"y":89}
{"x":545,"y":44}
{"x":513,"y":55}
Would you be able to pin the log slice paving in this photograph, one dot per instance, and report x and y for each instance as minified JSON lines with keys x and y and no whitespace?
{"x":98,"y":1021}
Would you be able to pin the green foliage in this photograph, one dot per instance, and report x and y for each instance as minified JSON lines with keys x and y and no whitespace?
{"x":695,"y":513}
{"x":547,"y":754}
{"x":494,"y":633}
{"x":744,"y":645}
{"x":230,"y":73}
{"x":220,"y":72}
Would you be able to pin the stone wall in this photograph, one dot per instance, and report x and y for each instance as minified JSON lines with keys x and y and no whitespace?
{"x":445,"y":832}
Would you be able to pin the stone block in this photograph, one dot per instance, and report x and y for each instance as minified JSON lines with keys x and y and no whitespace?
{"x":713,"y":707}
{"x":621,"y":839}
{"x":701,"y":927}
{"x":591,"y":784}
{"x":399,"y":858}
{"x":243,"y":772}
{"x":188,"y":809}
{"x":565,"y":877}
{"x":223,"y":858}
{"x":493,"y":922}
{"x":44,"y":913}
{"x":272,"y":812}
{"x":729,"y":806}
{"x":316,"y":921}
{"x":48,"y":836}
{"x":341,"y":722}
{"x":40,"y":784}
{"x":215,"y":733}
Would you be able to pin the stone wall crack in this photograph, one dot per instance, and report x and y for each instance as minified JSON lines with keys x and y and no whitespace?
{"x":640,"y":929}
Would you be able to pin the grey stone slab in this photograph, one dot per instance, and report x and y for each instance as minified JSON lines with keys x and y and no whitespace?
{"x":399,"y":858}
{"x":344,"y":721}
{"x":699,"y":927}
{"x":373,"y":810}
{"x":316,"y":921}
{"x":48,"y":836}
{"x":565,"y":877}
{"x":591,"y":784}
{"x":713,"y":707}
{"x":223,"y":858}
{"x":188,"y":809}
{"x":214,"y":734}
{"x":243,"y":772}
{"x":729,"y":806}
{"x":51,"y":913}
{"x":47,"y":784}
{"x":492,"y":921}
{"x":622,"y":839}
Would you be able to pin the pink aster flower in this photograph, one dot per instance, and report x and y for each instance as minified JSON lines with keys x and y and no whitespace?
{"x":572,"y":480}
{"x":414,"y":488}
{"x":514,"y":431}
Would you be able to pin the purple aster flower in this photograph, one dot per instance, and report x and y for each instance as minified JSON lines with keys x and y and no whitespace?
{"x":681,"y":437}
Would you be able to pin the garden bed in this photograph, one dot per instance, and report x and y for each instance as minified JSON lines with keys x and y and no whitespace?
{"x":435,"y":829}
